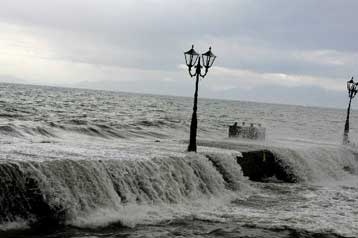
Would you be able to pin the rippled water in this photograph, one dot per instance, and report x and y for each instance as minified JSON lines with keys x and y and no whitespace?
{"x":113,"y":114}
{"x":109,"y":164}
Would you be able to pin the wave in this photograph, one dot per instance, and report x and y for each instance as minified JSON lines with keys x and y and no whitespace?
{"x":318,"y":163}
{"x":83,"y":192}
{"x":97,"y":193}
{"x":13,"y":130}
{"x":308,"y":163}
{"x":141,"y":129}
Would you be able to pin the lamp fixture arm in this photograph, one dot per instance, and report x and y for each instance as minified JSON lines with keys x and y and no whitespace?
{"x":191,"y":74}
{"x":203,"y":75}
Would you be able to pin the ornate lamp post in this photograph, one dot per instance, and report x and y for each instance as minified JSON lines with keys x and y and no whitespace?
{"x":192,"y":59}
{"x":352,"y":91}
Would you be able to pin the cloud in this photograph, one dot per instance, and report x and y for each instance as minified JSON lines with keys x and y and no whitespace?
{"x":274,"y":43}
{"x":251,"y":79}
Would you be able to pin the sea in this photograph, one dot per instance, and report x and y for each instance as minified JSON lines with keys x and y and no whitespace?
{"x":82,"y":163}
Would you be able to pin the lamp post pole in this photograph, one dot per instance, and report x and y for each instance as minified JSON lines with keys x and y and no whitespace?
{"x":194,"y":120}
{"x":346,"y":126}
{"x":193,"y":59}
{"x":352,"y":91}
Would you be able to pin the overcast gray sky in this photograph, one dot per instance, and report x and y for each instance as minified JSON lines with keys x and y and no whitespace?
{"x":297,"y":51}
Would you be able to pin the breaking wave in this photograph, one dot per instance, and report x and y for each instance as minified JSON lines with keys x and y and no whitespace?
{"x":96,"y":193}
{"x":319,"y":164}
{"x":308,"y":163}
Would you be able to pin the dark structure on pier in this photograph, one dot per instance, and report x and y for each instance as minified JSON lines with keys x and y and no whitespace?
{"x":252,"y":132}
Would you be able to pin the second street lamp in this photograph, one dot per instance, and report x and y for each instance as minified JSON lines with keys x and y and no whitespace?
{"x":352,"y":91}
{"x":192,"y":59}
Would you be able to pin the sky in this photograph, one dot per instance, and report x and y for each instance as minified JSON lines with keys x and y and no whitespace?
{"x":278,"y":51}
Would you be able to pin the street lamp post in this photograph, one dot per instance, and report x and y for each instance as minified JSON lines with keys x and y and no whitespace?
{"x":192,"y":59}
{"x":352,"y":91}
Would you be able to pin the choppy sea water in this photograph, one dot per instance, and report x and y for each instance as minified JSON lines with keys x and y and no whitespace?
{"x":84,"y":163}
